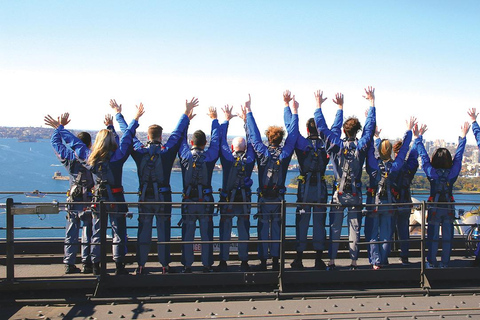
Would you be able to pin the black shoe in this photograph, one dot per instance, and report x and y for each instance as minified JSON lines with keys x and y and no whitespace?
{"x":331,"y":267}
{"x":87,"y":268}
{"x":140,"y":271}
{"x":167,"y":269}
{"x":187,"y":270}
{"x":297,"y":265}
{"x":222,"y":266}
{"x":71,"y":268}
{"x":320,"y":265}
{"x":275,"y":264}
{"x":353,"y":267}
{"x":244,"y":267}
{"x":262,"y":266}
{"x":120,"y":269}
{"x":96,"y":269}
{"x":207,"y":269}
{"x":404,"y":261}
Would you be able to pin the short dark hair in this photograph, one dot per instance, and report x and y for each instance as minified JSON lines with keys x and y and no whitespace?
{"x":442,"y":159}
{"x":85,"y":137}
{"x":155,"y":132}
{"x":199,"y":138}
{"x":351,"y":127}
{"x":312,"y":127}
{"x":275,"y":135}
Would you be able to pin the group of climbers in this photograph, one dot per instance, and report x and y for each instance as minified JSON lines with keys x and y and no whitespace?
{"x":96,"y":174}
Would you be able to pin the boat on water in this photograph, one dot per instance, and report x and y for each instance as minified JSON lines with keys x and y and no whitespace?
{"x":57,"y":175}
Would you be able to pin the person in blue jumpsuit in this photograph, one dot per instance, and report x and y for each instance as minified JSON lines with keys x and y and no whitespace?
{"x":402,"y":181}
{"x":237,"y":165}
{"x":472,"y":113}
{"x":72,"y":152}
{"x":442,"y":172}
{"x":381,"y":168}
{"x":272,"y":163}
{"x":197,"y":168}
{"x":154,"y":166}
{"x":312,"y":188}
{"x":348,"y":157}
{"x":106,"y":163}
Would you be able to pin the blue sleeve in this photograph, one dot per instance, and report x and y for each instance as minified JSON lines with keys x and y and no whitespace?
{"x":126,"y":142}
{"x":412,"y":160}
{"x":177,"y":134}
{"x":211,"y":155}
{"x":402,"y":153}
{"x":287,"y":116}
{"x":476,"y":132}
{"x":225,"y":153}
{"x":457,"y":160}
{"x":368,"y":130}
{"x":377,"y":142}
{"x":62,"y":152}
{"x":255,"y":137}
{"x":426,"y":165}
{"x":291,"y":140}
{"x":332,"y":140}
{"x":74,"y":143}
{"x":338,"y":123}
{"x":137,"y":145}
{"x":372,"y":162}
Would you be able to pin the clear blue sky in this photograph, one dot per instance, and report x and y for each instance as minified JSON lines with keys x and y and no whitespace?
{"x":423,"y":57}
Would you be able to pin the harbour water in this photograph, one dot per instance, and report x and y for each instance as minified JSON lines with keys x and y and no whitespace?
{"x":28,"y":166}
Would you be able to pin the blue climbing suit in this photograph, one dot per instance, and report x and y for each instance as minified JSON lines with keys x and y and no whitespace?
{"x":441,"y":186}
{"x":154,"y":167}
{"x":348,"y":157}
{"x":72,"y":153}
{"x":382,"y":217}
{"x":272,"y":163}
{"x":236,"y":187}
{"x":197,"y":170}
{"x":312,"y":188}
{"x":108,"y":187}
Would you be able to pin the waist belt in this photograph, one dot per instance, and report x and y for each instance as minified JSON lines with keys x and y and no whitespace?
{"x":117,"y":190}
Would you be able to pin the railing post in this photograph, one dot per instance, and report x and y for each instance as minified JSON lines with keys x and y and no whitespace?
{"x":103,"y":239}
{"x":282,"y":245}
{"x":423,"y":277}
{"x":10,"y":242}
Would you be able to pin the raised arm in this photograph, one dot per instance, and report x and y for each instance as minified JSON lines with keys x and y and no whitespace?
{"x":62,"y":152}
{"x":457,"y":159}
{"x":333,"y":141}
{"x":426,"y":165}
{"x":287,"y":113}
{"x":126,"y":141}
{"x":402,"y":153}
{"x":255,"y":137}
{"x":370,"y":123}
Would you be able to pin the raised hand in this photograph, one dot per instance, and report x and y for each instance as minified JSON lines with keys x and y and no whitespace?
{"x":465,"y":128}
{"x":411,"y":123}
{"x":108,"y":120}
{"x":140,"y":111}
{"x":472,"y":113}
{"x":287,"y":97}
{"x":319,"y":98}
{"x":421,"y":130}
{"x":212,"y":113}
{"x":296,"y":105}
{"x":115,"y":106}
{"x":190,"y":105}
{"x":377,"y":132}
{"x":248,"y":104}
{"x":243,"y":114}
{"x":49,"y":121}
{"x":64,"y":119}
{"x":370,"y":95}
{"x":338,"y":100}
{"x":228,"y":112}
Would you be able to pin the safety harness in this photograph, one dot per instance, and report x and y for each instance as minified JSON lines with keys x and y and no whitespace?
{"x":236,"y":189}
{"x":350,"y":166}
{"x":313,"y":170}
{"x":272,"y":175}
{"x":441,"y":191}
{"x":196,"y":177}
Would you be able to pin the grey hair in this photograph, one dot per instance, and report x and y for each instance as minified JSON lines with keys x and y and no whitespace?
{"x":239,"y":144}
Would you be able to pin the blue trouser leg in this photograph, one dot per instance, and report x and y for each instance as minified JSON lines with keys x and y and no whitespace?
{"x":385,"y":234}
{"x":243,"y":227}
{"x":225,"y":234}
{"x":302,"y":220}
{"x":263,"y":227}
{"x":144,"y":234}
{"x":95,"y":248}
{"x":119,"y":235}
{"x":367,"y":231}
{"x":163,"y":235}
{"x":403,"y":229}
{"x":447,"y":236}
{"x":319,"y":234}
{"x":433,"y":236}
{"x":188,"y":234}
{"x":71,"y":238}
{"x":354,"y":224}
{"x":374,"y":219}
{"x":335,"y":220}
{"x":276,"y":227}
{"x":206,"y":234}
{"x":86,"y":237}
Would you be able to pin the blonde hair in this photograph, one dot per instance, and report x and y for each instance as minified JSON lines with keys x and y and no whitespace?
{"x":385,"y":150}
{"x":104,"y":143}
